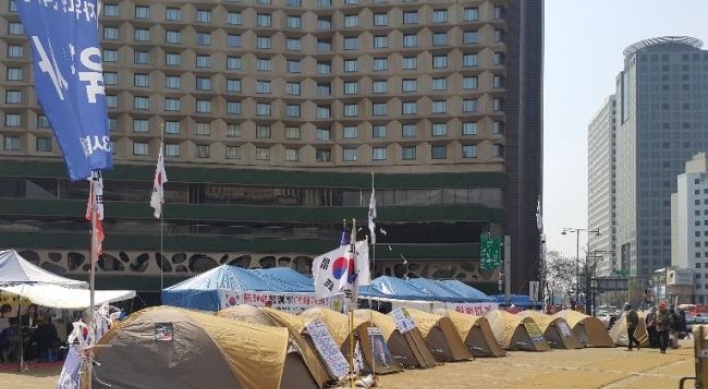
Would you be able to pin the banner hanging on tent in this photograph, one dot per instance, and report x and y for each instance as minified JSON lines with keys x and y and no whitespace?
{"x":328,"y":350}
{"x":293,"y":302}
{"x":68,"y":79}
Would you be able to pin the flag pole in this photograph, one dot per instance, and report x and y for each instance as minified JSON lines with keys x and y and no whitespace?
{"x":373,"y":239}
{"x":93,"y":258}
{"x":162,"y":211}
{"x":352,"y":302}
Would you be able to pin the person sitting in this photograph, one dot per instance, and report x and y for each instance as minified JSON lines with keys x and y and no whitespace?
{"x":46,"y":340}
{"x":9,"y":338}
{"x":5,"y":313}
{"x":29,"y":319}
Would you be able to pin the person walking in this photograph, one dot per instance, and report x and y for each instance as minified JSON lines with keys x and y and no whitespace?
{"x":651,"y":328}
{"x":663,"y":325}
{"x":632,"y":322}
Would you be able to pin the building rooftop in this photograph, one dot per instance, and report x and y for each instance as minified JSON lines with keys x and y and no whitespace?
{"x":663,"y":40}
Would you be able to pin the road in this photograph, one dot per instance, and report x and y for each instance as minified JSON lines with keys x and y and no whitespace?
{"x":557,"y":369}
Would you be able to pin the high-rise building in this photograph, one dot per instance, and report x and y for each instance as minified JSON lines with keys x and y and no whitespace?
{"x":689,"y":224}
{"x":275,"y":113}
{"x":662,"y":120}
{"x":601,"y":188}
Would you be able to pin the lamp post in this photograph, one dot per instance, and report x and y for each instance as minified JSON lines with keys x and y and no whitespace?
{"x":577,"y":232}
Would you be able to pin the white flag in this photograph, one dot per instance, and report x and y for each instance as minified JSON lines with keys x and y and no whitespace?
{"x":158,"y":192}
{"x":372,"y":216}
{"x":539,"y":216}
{"x":334,"y":271}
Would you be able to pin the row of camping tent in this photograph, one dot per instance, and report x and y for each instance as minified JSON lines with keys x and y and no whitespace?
{"x":205,"y":291}
{"x":263,"y":348}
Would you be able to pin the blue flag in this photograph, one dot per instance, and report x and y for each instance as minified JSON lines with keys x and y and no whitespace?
{"x":68,"y":79}
{"x":345,"y":237}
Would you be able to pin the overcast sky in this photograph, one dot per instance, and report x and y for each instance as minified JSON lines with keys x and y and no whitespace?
{"x":584,"y":40}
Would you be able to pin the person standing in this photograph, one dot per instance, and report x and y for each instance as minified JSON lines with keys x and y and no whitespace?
{"x":651,"y":328}
{"x":663,"y":325}
{"x":632,"y":322}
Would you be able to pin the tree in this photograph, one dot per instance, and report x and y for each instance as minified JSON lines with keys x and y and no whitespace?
{"x":559,"y":273}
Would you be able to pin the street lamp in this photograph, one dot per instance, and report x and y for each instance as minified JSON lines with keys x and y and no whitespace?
{"x":577,"y":232}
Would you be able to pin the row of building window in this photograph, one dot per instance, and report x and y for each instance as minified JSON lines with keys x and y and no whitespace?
{"x":204,"y":106}
{"x":44,"y":144}
{"x":203,"y":61}
{"x":174,"y":14}
{"x":324,"y":45}
{"x":263,"y":131}
{"x":293,"y":88}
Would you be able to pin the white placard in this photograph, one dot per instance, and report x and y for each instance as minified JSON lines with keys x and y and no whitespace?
{"x":328,"y":350}
{"x":287,"y":302}
{"x":404,"y":321}
{"x":564,"y":329}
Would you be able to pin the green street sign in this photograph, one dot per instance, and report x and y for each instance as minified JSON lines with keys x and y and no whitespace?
{"x":489,"y":251}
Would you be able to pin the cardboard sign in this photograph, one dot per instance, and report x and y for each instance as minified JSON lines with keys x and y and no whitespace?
{"x":564,"y":329}
{"x":534,"y":332}
{"x":382,"y":354}
{"x":328,"y":350}
{"x":404,"y":321}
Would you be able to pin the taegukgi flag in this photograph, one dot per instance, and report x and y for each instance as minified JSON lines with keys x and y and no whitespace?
{"x":68,"y":79}
{"x":158,"y":191}
{"x":337,"y":270}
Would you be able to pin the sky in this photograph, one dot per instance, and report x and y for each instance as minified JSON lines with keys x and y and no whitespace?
{"x":584,"y":40}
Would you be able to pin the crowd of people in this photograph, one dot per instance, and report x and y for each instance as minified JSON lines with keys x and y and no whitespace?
{"x":664,"y":326}
{"x":40,"y":339}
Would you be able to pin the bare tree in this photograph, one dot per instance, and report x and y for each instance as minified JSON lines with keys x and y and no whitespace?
{"x":559,"y":272}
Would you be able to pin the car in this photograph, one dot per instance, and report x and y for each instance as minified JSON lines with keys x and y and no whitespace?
{"x":606,"y":319}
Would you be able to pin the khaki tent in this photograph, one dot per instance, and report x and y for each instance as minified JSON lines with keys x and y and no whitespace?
{"x":409,"y":349}
{"x":167,"y":347}
{"x":295,"y":325}
{"x":618,"y":332}
{"x":475,"y":332}
{"x":441,"y":336}
{"x":555,"y":329}
{"x":514,"y":332}
{"x":338,"y":326}
{"x":587,"y":329}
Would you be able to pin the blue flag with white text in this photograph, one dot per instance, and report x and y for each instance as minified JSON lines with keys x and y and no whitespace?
{"x":68,"y":79}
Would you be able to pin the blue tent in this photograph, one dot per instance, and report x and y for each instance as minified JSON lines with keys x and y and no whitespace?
{"x":202,"y":291}
{"x":286,"y":279}
{"x":437,"y":290}
{"x":519,"y":300}
{"x":399,"y":289}
{"x":469,"y":293}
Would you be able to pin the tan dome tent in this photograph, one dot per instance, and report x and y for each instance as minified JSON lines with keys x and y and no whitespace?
{"x":409,"y":349}
{"x":475,"y":332}
{"x":295,"y":326}
{"x":441,"y":336}
{"x":555,"y":329}
{"x":618,"y":332}
{"x":587,"y":329}
{"x":338,"y":326}
{"x":515,"y":332}
{"x":167,"y":348}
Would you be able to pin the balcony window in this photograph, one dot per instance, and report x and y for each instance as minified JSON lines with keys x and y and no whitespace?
{"x":233,"y":85}
{"x":233,"y":130}
{"x":380,"y":86}
{"x":471,"y":14}
{"x":409,"y":108}
{"x":350,"y":132}
{"x":470,"y":60}
{"x":203,"y":16}
{"x":233,"y":107}
{"x":292,"y":88}
{"x":173,"y":59}
{"x":141,"y":103}
{"x":233,"y":152}
{"x":469,"y":128}
{"x":173,"y":82}
{"x":408,"y":153}
{"x":380,"y":64}
{"x":234,"y":40}
{"x":323,"y":155}
{"x":470,"y":37}
{"x":11,"y":143}
{"x":172,"y":127}
{"x":469,"y":151}
{"x":202,"y":151}
{"x":379,"y":153}
{"x":203,"y":61}
{"x":380,"y":19}
{"x":469,"y":105}
{"x":263,"y":153}
{"x":142,"y":12}
{"x":234,"y":18}
{"x":323,"y":133}
{"x":174,"y":37}
{"x":469,"y":82}
{"x":172,"y":150}
{"x":408,"y":131}
{"x":379,"y":132}
{"x":349,"y":155}
{"x":292,"y":133}
{"x":263,"y":131}
{"x":141,"y":57}
{"x":438,"y":152}
{"x":439,"y":129}
{"x":263,"y":109}
{"x":380,"y":109}
{"x":439,"y":84}
{"x":409,"y":85}
{"x":140,"y":149}
{"x":233,"y":63}
{"x":43,"y":144}
{"x":173,"y":14}
{"x":292,"y":155}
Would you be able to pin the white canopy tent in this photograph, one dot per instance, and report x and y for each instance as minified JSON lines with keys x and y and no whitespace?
{"x":16,"y":270}
{"x":55,"y":296}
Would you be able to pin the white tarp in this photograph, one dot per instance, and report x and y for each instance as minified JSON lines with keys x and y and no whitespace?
{"x":60,"y":297}
{"x":16,"y":270}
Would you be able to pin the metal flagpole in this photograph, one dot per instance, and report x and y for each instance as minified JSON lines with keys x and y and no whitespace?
{"x":93,"y":258}
{"x":352,"y":302}
{"x":162,"y":209}
{"x":373,"y":239}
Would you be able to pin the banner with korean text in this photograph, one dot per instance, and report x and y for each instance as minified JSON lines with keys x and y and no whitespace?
{"x":290,"y":302}
{"x":68,"y":79}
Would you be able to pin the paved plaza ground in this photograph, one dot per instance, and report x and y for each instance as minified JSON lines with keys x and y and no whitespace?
{"x":557,"y":369}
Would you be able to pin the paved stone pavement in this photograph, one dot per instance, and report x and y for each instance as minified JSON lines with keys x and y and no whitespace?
{"x":558,"y":369}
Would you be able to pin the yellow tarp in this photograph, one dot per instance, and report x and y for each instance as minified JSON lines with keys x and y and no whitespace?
{"x":588,"y":329}
{"x":256,"y":354}
{"x":513,"y":331}
{"x":467,"y":323}
{"x":426,"y":322}
{"x":618,"y":332}
{"x":550,"y":326}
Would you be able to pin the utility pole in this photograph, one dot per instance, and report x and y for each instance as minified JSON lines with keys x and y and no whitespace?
{"x":507,"y":269}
